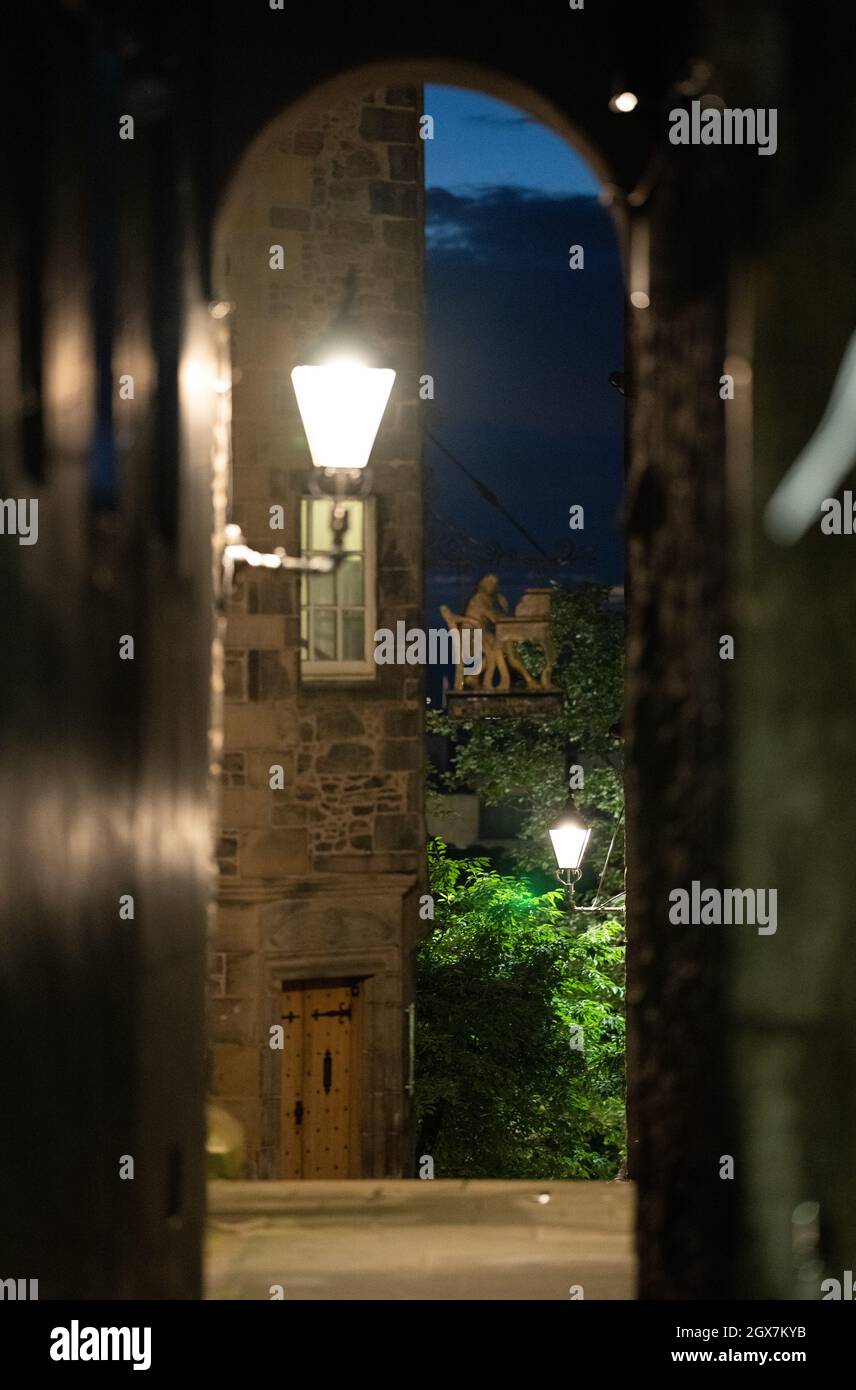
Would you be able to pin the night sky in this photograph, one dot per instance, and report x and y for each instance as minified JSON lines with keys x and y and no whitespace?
{"x":520,"y":348}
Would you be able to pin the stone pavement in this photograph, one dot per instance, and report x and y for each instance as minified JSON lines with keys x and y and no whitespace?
{"x":420,"y":1240}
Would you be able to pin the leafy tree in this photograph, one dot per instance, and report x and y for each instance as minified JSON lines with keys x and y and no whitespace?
{"x":522,"y":762}
{"x":509,"y":970}
{"x":520,"y":1031}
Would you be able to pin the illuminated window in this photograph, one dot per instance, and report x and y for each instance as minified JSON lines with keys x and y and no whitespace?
{"x":337,"y":611}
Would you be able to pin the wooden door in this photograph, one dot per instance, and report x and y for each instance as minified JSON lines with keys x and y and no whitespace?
{"x":320,"y":1079}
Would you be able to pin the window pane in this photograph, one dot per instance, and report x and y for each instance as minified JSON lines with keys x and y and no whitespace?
{"x":321,"y":537}
{"x":315,"y":531}
{"x":351,"y":580}
{"x":353,"y":642}
{"x":354,"y":534}
{"x":324,"y":635}
{"x":334,"y":617}
{"x":322,"y":589}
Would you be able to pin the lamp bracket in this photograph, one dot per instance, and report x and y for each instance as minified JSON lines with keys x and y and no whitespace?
{"x":340,"y":484}
{"x":237,"y":552}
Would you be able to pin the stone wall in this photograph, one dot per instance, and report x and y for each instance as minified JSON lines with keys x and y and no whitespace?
{"x":676,"y":722}
{"x":104,"y":794}
{"x":791,"y":994}
{"x":336,"y":189}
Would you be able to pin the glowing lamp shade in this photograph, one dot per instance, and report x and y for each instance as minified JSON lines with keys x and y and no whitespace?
{"x":341,"y":405}
{"x":570,"y":838}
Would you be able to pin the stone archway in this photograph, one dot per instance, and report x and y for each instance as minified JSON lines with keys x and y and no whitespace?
{"x":332,"y":181}
{"x":121,"y":806}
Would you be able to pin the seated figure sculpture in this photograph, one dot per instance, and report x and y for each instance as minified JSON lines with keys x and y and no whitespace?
{"x":499,"y":654}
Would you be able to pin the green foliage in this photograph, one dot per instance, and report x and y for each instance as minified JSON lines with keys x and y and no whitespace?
{"x":521,"y":762}
{"x":501,"y":980}
{"x":506,"y":973}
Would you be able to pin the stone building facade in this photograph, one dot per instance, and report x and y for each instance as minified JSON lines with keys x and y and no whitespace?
{"x":321,"y":806}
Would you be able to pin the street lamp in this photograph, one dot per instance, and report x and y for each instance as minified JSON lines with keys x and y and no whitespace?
{"x":341,"y":395}
{"x":341,"y":403}
{"x":570,"y":837}
{"x":341,"y":400}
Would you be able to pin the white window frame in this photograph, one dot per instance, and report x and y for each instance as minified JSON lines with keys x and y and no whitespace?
{"x":312,"y":672}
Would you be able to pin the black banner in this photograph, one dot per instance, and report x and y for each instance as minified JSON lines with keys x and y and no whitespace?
{"x":243,"y":1338}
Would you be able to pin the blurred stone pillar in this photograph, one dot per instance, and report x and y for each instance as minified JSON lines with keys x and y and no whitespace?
{"x":677,"y":753}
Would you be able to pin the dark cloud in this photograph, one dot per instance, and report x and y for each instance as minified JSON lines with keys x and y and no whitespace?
{"x":512,"y":224}
{"x":521,"y":348}
{"x":498,"y":119}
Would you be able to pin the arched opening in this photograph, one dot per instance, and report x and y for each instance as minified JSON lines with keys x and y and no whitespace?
{"x":324,"y":883}
{"x":742,"y":1069}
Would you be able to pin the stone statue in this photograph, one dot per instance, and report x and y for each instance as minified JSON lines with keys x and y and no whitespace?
{"x":488,"y":609}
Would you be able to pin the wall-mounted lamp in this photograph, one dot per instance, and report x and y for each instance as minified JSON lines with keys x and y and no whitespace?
{"x":341,"y":400}
{"x":341,"y":395}
{"x":341,"y":404}
{"x":570,"y":836}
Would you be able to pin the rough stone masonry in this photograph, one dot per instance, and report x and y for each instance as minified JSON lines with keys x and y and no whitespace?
{"x":320,"y":878}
